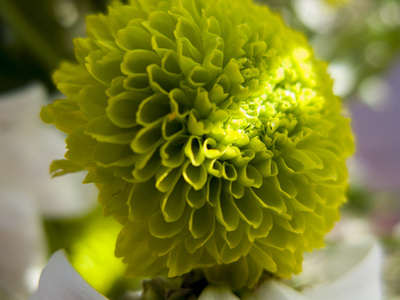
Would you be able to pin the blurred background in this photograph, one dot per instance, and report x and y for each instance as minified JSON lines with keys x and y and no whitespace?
{"x":359,"y":38}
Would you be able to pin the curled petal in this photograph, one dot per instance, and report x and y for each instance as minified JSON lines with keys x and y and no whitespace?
{"x":59,"y":281}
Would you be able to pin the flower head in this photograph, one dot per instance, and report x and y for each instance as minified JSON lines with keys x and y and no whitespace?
{"x":361,"y":279}
{"x":212,"y":134}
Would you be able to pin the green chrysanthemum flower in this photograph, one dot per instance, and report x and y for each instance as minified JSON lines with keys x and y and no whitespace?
{"x":212,"y":134}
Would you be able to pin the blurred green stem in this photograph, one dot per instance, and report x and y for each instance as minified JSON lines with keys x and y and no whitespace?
{"x":30,"y":36}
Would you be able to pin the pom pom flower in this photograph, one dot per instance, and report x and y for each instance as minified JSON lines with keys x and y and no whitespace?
{"x":212,"y":134}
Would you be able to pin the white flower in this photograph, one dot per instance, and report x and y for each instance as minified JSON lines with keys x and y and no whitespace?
{"x":27,"y":192}
{"x":353,"y":270}
{"x":60,"y":281}
{"x":348,"y":271}
{"x":27,"y":148}
{"x":22,"y":246}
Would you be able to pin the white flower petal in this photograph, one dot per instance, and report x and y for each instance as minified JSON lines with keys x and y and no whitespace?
{"x":213,"y":292}
{"x":276,"y":290}
{"x":60,"y":281}
{"x":361,"y":280}
{"x":18,"y":107}
{"x":22,"y":245}
{"x":27,"y":148}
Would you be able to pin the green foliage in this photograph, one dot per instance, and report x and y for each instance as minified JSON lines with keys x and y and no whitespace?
{"x":36,"y":35}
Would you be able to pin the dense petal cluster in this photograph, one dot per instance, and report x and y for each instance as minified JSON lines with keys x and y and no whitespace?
{"x":212,"y":134}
